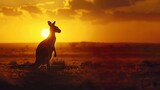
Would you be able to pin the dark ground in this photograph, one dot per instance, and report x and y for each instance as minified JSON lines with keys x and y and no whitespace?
{"x":82,"y":66}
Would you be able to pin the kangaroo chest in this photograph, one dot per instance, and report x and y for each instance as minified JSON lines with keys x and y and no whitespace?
{"x":48,"y":44}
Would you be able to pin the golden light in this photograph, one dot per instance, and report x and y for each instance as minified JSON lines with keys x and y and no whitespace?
{"x":45,"y":33}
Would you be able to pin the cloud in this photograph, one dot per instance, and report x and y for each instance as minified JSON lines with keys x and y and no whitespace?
{"x":32,"y":9}
{"x":51,"y":14}
{"x":9,"y":11}
{"x":61,"y":14}
{"x":80,"y":4}
{"x":117,"y":10}
{"x":119,"y":16}
{"x":100,"y":4}
{"x":17,"y":11}
{"x":31,"y":6}
{"x":93,"y":15}
{"x":66,"y":13}
{"x":18,"y":3}
{"x":106,"y":4}
{"x":152,"y":16}
{"x":87,"y":10}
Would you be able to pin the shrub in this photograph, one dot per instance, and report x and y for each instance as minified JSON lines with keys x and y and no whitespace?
{"x":59,"y":64}
{"x":86,"y":64}
{"x":13,"y":63}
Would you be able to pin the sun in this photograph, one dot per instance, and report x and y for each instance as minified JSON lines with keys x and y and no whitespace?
{"x":45,"y":32}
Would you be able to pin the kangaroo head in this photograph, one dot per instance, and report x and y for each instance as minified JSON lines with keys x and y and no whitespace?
{"x":53,"y":28}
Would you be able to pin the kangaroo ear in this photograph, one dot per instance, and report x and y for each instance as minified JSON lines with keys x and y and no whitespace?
{"x":49,"y":23}
{"x":54,"y":22}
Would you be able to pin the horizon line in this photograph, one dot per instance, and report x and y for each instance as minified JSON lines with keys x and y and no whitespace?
{"x":83,"y":42}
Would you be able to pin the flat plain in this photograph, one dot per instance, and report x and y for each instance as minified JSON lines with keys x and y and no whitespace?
{"x":82,"y":66}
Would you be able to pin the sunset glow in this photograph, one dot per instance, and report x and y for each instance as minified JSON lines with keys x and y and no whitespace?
{"x":81,"y":20}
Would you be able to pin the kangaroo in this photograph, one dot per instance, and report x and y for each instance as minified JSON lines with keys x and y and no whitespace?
{"x":46,"y":47}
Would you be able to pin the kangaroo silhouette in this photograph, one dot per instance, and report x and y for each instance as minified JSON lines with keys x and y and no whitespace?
{"x":46,"y":47}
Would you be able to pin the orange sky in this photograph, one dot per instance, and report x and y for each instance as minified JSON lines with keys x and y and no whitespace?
{"x":81,"y":20}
